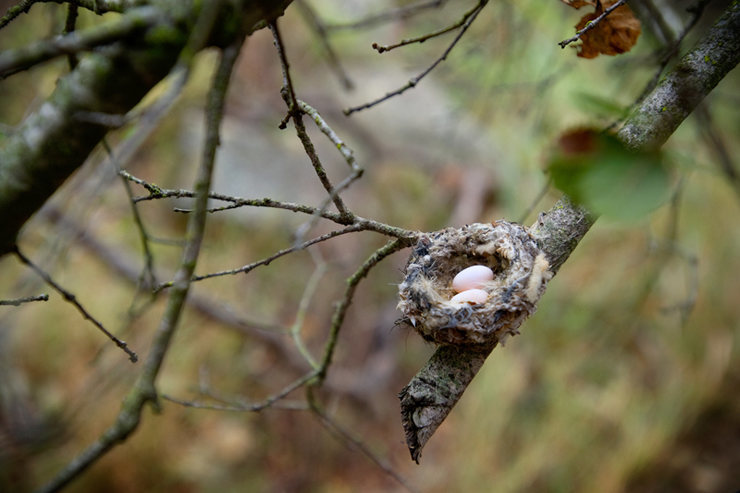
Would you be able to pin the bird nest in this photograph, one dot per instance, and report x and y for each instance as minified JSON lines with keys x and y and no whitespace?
{"x":520,"y":275}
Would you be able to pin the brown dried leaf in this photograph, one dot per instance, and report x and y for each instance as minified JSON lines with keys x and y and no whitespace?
{"x":617,"y":33}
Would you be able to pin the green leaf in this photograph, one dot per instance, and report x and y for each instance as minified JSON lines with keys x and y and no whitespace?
{"x":610,"y":179}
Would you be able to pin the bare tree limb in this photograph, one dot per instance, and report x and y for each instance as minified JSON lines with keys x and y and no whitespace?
{"x":313,"y":20}
{"x":425,"y":37}
{"x":651,"y":123}
{"x":145,"y":391}
{"x":469,"y":17}
{"x":433,"y":392}
{"x":12,"y":61}
{"x":296,"y":113}
{"x":53,"y":142}
{"x":72,"y":299}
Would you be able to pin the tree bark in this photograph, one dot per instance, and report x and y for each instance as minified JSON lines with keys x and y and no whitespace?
{"x":436,"y":388}
{"x":55,"y":140}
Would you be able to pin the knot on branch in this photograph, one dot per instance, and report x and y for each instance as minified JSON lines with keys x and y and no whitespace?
{"x":520,"y":274}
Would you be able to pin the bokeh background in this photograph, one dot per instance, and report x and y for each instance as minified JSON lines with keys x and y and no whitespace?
{"x":626,"y":379}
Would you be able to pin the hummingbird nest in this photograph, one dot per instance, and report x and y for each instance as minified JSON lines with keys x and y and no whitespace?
{"x":520,"y":275}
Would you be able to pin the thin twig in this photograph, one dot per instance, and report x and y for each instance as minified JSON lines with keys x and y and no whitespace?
{"x":318,"y":27}
{"x":295,"y":113}
{"x":12,"y":61}
{"x":350,"y":441}
{"x":303,"y":305}
{"x":343,"y":149}
{"x":346,"y":153}
{"x":157,"y":193}
{"x":69,"y":26}
{"x":415,"y":80}
{"x":717,"y":145}
{"x":27,"y":299}
{"x":540,"y":195}
{"x":591,"y":24}
{"x":281,"y":253}
{"x":243,"y":406}
{"x":147,"y":277}
{"x":71,"y":298}
{"x":144,"y":390}
{"x":237,"y":408}
{"x":341,"y":310}
{"x":428,"y":36}
{"x":391,"y":15}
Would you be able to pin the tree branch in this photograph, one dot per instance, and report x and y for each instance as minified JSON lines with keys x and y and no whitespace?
{"x":655,"y":119}
{"x":12,"y":61}
{"x":145,"y":391}
{"x":54,"y":141}
{"x":435,"y":389}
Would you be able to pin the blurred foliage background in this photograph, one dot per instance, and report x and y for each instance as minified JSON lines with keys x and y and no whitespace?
{"x":626,"y":379}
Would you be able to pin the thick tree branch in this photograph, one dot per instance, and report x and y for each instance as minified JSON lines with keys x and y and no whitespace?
{"x":653,"y":121}
{"x":55,"y":140}
{"x":433,"y":392}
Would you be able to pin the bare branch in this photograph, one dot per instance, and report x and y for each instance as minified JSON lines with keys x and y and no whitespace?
{"x":350,"y":441}
{"x":414,"y":81}
{"x":341,"y":309}
{"x":71,"y":298}
{"x":12,"y":61}
{"x":591,"y":24}
{"x":296,"y":114}
{"x":266,"y":261}
{"x":711,"y":134}
{"x":27,"y":299}
{"x":433,"y":392}
{"x":157,"y":193}
{"x":241,"y":406}
{"x":320,"y":29}
{"x":145,"y":391}
{"x":346,"y":153}
{"x":428,"y":36}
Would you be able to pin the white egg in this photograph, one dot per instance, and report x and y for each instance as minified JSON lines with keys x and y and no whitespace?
{"x":474,"y":296}
{"x":474,"y":277}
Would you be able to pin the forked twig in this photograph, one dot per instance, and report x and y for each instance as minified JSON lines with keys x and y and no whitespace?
{"x":415,"y":80}
{"x":144,"y":391}
{"x":425,"y":37}
{"x":71,"y":298}
{"x":295,"y":113}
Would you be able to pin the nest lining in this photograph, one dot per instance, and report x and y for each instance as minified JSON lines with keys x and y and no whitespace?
{"x":520,"y":276}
